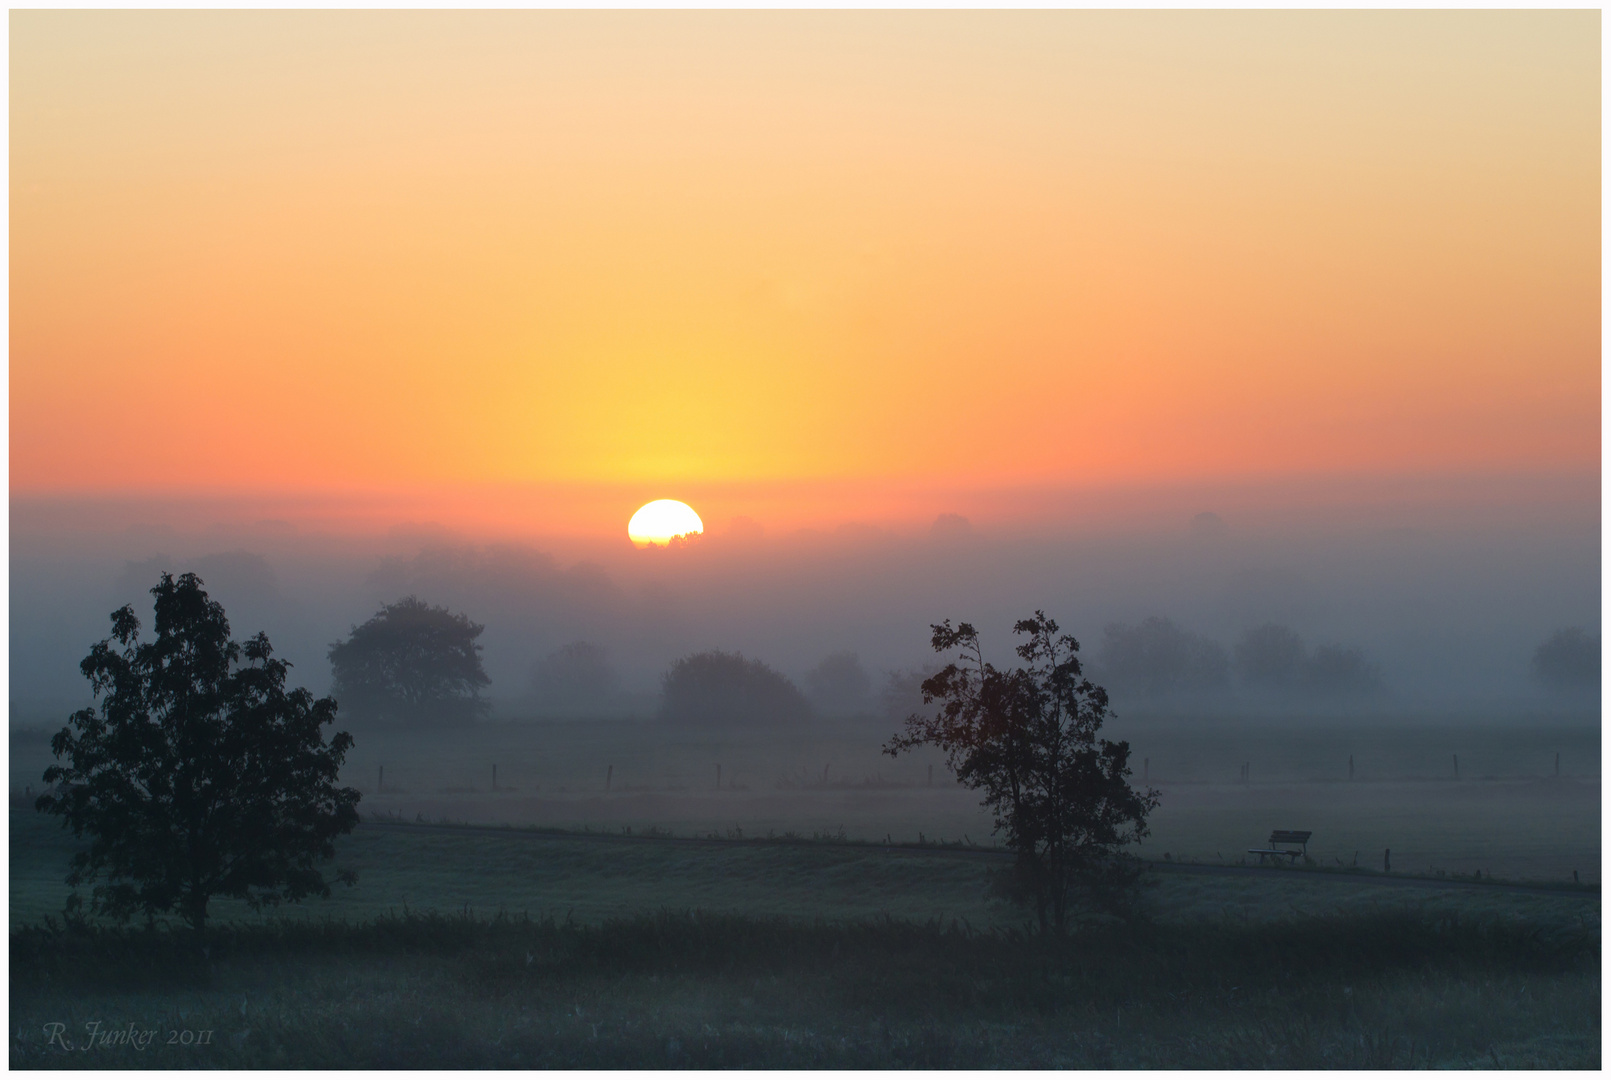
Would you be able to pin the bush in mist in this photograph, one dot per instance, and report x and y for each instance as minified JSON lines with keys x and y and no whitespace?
{"x":1274,"y":657}
{"x":1570,"y":659}
{"x":726,"y":688}
{"x":839,"y":686}
{"x":1159,"y":659}
{"x":412,"y":663}
{"x":575,"y":678}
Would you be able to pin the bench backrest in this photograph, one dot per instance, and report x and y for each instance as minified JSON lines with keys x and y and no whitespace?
{"x":1283,"y":836}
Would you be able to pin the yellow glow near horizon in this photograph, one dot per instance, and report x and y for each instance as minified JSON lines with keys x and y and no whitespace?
{"x":675,"y":250}
{"x":663,"y":521}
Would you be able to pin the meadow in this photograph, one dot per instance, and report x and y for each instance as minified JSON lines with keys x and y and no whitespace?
{"x":1508,"y":813}
{"x":792,"y":919}
{"x":478,"y":947}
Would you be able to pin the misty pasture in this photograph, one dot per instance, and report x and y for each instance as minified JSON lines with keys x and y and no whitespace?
{"x":600,"y":864}
{"x":846,"y":539}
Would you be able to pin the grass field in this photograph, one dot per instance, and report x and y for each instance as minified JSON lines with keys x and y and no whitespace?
{"x":475,"y":946}
{"x":590,"y":878}
{"x":1508,"y":814}
{"x":525,"y":949}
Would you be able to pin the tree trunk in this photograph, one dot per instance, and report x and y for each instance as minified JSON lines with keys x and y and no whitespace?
{"x":196,"y":909}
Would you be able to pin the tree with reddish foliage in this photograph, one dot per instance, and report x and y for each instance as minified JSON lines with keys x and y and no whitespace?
{"x":1027,"y":738}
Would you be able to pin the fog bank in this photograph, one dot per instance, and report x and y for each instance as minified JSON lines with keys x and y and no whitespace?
{"x":1446,"y":606}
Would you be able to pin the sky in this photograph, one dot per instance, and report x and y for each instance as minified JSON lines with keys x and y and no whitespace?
{"x":804,"y":263}
{"x":303,"y":298}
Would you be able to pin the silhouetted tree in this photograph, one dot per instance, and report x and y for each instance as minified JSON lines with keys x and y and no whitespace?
{"x":576,"y":677}
{"x":839,"y":686}
{"x":1570,"y":659}
{"x":1027,"y":738}
{"x":1159,"y":659}
{"x":411,"y":663}
{"x":199,"y":774}
{"x":725,"y":688}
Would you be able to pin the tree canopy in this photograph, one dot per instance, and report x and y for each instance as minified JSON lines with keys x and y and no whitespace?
{"x":728,"y":689}
{"x":411,"y":663}
{"x":1027,"y":738}
{"x":198,"y":774}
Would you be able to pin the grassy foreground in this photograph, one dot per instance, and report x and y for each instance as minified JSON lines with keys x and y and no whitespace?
{"x":1379,"y":989}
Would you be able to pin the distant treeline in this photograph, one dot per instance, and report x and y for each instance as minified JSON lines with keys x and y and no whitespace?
{"x":1157,"y":659}
{"x":413,"y":662}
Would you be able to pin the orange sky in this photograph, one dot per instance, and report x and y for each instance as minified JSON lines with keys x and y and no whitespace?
{"x":323,"y":252}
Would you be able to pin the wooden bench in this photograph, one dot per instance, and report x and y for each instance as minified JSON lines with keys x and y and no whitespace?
{"x":1284,"y":836}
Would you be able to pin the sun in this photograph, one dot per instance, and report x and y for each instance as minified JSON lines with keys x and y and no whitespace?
{"x":663,"y":521}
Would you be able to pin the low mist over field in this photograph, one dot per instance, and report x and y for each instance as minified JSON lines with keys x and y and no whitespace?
{"x":551,"y":456}
{"x":1203,"y":601}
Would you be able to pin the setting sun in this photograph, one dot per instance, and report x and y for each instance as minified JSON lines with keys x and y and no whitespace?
{"x":663,"y":521}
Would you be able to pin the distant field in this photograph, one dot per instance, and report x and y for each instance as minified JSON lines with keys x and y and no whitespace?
{"x":590,"y":878}
{"x":1508,"y":813}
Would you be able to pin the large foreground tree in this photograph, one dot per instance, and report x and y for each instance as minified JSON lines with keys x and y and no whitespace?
{"x":412,"y":663}
{"x":198,"y":774}
{"x":1027,"y":738}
